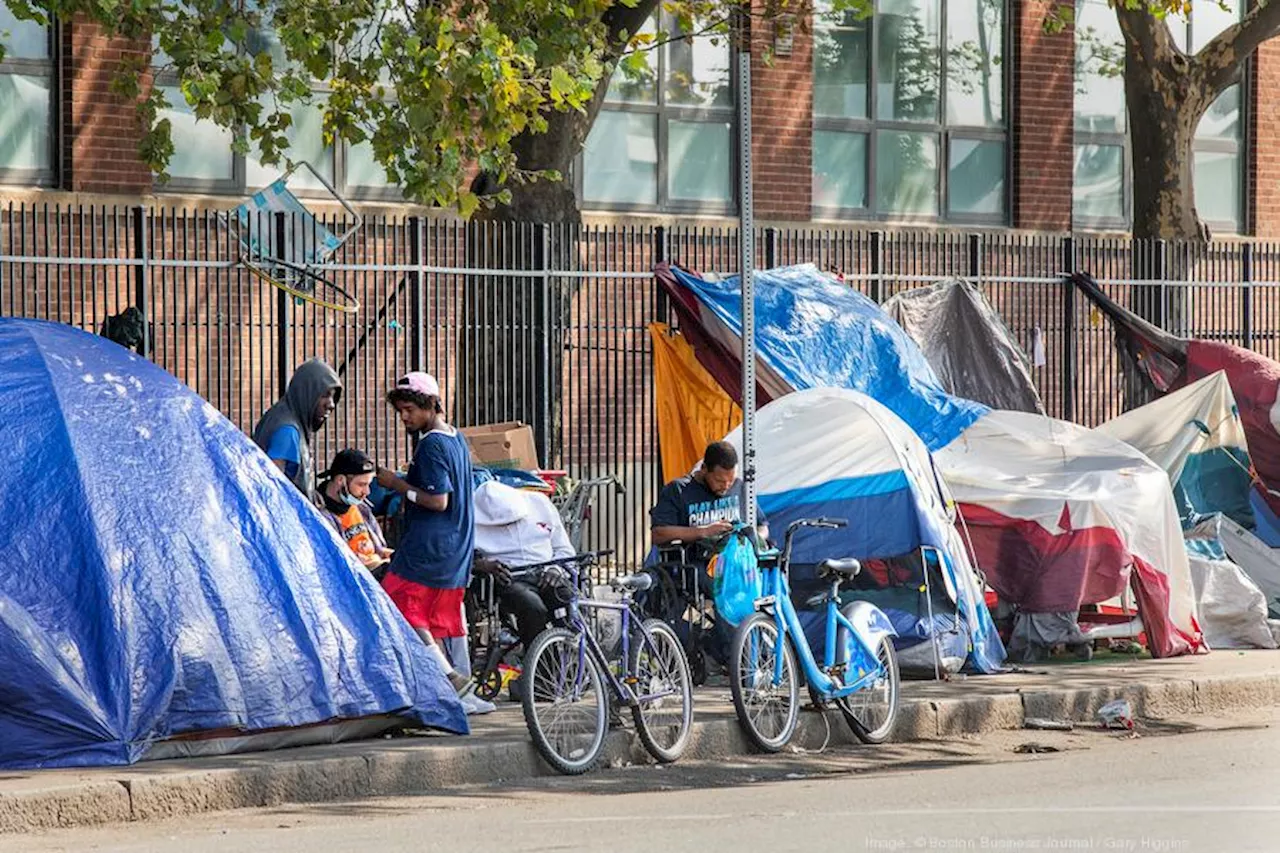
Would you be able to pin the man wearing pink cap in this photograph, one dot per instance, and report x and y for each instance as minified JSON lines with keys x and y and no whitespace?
{"x":432,"y":565}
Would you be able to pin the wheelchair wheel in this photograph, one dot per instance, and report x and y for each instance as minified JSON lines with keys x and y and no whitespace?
{"x":697,"y":665}
{"x":489,"y":685}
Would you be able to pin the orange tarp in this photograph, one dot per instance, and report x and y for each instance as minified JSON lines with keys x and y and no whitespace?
{"x":693,"y":410}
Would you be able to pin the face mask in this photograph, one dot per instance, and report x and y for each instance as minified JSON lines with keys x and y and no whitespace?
{"x":349,"y":499}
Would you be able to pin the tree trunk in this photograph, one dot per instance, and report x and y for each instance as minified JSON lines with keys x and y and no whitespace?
{"x":1164,"y":110}
{"x":1165,"y":101}
{"x":517,"y":323}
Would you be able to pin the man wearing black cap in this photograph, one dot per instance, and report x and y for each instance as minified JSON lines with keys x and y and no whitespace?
{"x":344,"y":489}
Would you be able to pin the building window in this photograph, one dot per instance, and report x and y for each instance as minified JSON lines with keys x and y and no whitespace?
{"x":203,"y":159}
{"x":665,"y":137}
{"x":1102,"y":191}
{"x":26,"y":102}
{"x":908,"y":111}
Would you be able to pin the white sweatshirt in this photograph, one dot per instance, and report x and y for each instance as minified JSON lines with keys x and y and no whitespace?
{"x":517,"y":527}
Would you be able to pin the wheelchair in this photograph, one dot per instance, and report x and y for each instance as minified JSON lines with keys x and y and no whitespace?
{"x":681,"y":596}
{"x":492,"y":634}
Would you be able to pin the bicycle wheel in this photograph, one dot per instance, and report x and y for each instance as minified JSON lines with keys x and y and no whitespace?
{"x":659,"y":666}
{"x":873,"y":711}
{"x":766,"y":711}
{"x":564,"y":700}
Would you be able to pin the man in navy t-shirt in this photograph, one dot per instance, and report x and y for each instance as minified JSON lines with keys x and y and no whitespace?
{"x":705,"y":504}
{"x":432,"y":565}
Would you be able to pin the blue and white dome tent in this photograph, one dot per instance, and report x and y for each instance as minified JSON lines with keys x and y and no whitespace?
{"x":838,"y":453}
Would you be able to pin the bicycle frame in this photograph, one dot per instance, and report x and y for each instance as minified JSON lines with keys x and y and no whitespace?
{"x":863,"y":658}
{"x":589,"y":645}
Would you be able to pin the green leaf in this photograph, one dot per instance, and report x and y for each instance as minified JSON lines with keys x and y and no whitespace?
{"x":563,"y":85}
{"x":468,"y":202}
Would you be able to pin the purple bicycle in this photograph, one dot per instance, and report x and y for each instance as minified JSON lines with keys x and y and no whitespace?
{"x":569,"y":674}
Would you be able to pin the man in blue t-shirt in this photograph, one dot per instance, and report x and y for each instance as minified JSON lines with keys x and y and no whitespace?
{"x":432,"y":565}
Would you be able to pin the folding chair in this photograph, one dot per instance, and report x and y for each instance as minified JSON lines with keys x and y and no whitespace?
{"x":292,"y":257}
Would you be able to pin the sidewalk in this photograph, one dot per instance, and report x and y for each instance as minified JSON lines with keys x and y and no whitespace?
{"x":499,"y":750}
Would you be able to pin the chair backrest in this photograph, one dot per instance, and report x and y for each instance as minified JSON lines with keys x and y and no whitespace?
{"x":305,"y":239}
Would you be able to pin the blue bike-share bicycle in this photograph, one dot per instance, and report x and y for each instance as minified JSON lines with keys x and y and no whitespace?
{"x":859,"y":670}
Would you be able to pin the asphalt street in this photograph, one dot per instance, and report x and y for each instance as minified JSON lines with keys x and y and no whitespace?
{"x":1197,"y":786}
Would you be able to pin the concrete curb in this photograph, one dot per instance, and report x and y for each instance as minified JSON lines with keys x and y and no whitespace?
{"x":381,"y":768}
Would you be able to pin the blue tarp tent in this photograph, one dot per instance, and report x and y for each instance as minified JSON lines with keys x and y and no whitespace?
{"x":163,"y":583}
{"x":814,"y":332}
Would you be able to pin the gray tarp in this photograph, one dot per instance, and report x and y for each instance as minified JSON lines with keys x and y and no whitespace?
{"x":967,"y":344}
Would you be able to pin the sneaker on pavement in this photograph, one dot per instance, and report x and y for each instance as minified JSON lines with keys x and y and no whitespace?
{"x":473,"y":704}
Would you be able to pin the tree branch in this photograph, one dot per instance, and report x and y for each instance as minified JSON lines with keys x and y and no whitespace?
{"x":1219,"y":63}
{"x":1147,"y":34}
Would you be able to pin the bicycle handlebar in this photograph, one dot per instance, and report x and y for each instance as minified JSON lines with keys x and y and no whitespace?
{"x":827,"y":523}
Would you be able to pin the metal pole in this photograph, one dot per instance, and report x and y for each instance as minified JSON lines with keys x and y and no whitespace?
{"x":142,"y":273}
{"x":746,"y":240}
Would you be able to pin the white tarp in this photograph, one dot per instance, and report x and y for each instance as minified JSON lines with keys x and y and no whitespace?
{"x":1233,"y":611}
{"x":1060,"y":515}
{"x":1191,"y":420}
{"x":1259,"y":561}
{"x":1196,"y":435}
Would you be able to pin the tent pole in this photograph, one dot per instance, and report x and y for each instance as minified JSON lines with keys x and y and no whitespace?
{"x":746,"y":242}
{"x":933,"y":628}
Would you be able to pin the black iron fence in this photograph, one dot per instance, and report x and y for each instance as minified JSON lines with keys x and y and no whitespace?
{"x":548,"y":324}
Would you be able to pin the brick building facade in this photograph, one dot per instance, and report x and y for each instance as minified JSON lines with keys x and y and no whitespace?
{"x":931,"y":112}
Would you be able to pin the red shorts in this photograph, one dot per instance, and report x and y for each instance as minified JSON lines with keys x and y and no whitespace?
{"x":437,"y":610}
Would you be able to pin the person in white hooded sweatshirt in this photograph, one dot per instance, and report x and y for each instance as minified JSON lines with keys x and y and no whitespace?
{"x":520,"y":528}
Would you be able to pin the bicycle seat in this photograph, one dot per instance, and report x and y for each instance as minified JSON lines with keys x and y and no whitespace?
{"x":635,"y":583}
{"x":846,"y":568}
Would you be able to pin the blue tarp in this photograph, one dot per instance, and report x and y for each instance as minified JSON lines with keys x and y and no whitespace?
{"x":814,"y":332}
{"x":162,"y":578}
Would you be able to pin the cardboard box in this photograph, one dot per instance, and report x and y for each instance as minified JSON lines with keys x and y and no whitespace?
{"x":505,"y":445}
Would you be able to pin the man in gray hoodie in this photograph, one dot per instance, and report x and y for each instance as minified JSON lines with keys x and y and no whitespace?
{"x":286,"y":430}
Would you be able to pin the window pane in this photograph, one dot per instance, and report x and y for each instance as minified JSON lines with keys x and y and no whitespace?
{"x":1222,"y":119}
{"x":975,"y":62}
{"x":1098,"y":191}
{"x":306,"y":142}
{"x":697,"y":70}
{"x":839,"y":169}
{"x":620,"y":163}
{"x":975,"y":177}
{"x":841,"y":49}
{"x":698,"y":161}
{"x":1208,"y":18}
{"x":906,"y":172}
{"x":24,"y":103}
{"x":363,"y":169}
{"x":638,"y":84}
{"x":907,"y":67}
{"x":201,"y":149}
{"x":22,"y":39}
{"x":1099,"y":101}
{"x":1217,"y":182}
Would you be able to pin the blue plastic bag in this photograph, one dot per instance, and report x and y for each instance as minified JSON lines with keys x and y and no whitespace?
{"x":737,"y":582}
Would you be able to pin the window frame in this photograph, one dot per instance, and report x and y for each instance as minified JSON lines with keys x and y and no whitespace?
{"x":939,"y":128}
{"x":665,"y":113}
{"x":48,"y":68}
{"x":1238,"y":147}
